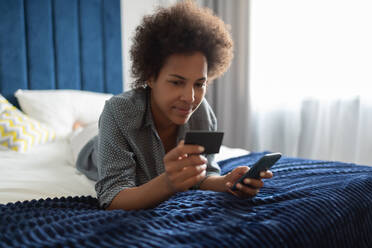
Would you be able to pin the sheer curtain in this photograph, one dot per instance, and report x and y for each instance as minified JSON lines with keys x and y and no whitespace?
{"x":311,"y":77}
{"x":304,"y":88}
{"x":228,"y":95}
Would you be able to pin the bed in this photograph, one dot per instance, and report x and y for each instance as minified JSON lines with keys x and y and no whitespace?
{"x":73,"y":49}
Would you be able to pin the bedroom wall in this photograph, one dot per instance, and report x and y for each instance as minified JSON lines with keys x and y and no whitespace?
{"x":132,"y":12}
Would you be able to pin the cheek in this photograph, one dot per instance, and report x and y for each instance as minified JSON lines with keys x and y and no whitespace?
{"x":164,"y":98}
{"x":199,"y":96}
{"x":170,"y":101}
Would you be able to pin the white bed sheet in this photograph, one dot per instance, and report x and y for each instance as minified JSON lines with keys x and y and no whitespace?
{"x":46,"y":171}
{"x":49,"y":171}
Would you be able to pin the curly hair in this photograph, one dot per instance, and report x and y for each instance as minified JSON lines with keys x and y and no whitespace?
{"x":182,"y":28}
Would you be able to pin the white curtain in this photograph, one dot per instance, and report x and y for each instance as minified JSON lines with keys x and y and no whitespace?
{"x":301,"y":78}
{"x":228,"y":95}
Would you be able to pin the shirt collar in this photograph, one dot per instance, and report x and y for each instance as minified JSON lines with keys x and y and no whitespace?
{"x":149,"y":120}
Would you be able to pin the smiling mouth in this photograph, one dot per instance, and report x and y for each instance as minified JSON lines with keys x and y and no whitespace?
{"x":183,"y":111}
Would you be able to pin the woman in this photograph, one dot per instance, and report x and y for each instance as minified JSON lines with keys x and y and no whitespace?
{"x":139,"y":158}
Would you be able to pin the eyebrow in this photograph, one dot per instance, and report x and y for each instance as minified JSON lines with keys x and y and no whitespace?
{"x":180,"y":77}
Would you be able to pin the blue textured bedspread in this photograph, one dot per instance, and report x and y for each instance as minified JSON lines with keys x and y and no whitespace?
{"x":307,"y":204}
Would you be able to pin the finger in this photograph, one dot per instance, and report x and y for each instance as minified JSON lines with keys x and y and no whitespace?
{"x":233,"y":192}
{"x":180,"y":150}
{"x":229,"y":186}
{"x":193,"y":160}
{"x":266,"y":174}
{"x":242,"y":169}
{"x":238,"y":173}
{"x":183,"y":156}
{"x":189,"y":172}
{"x":253,"y":183}
{"x":247,"y":190}
{"x":178,"y":165}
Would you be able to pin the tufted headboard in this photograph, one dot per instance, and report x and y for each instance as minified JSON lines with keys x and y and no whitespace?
{"x":60,"y":44}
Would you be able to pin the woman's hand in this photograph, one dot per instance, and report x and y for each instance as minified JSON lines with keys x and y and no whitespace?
{"x":184,"y":166}
{"x":242,"y":190}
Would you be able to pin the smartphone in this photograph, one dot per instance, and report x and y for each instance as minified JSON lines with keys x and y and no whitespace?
{"x":263,"y":164}
{"x":210,"y":140}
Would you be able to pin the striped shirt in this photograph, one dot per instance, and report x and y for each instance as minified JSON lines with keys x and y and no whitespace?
{"x":128,"y":152}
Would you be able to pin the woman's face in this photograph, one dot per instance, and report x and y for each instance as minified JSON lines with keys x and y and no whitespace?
{"x":179,"y":89}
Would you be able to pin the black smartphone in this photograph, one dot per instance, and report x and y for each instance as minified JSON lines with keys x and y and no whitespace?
{"x":210,"y":140}
{"x":263,"y":164}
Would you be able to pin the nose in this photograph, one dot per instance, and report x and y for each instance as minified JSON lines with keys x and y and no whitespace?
{"x":188,"y":95}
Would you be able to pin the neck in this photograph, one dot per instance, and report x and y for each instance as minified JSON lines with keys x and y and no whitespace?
{"x":162,"y":124}
{"x":166,"y":130}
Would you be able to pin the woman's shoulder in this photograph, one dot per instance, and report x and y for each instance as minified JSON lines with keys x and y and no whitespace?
{"x":127,"y":109}
{"x":129,"y":102}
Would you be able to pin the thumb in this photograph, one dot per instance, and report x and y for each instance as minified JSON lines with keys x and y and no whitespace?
{"x":241,"y":170}
{"x":181,"y":143}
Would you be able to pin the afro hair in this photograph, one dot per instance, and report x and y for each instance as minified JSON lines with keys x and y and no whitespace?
{"x":182,"y":28}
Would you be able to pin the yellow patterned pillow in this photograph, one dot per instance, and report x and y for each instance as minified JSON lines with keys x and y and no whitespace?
{"x":20,"y":132}
{"x":5,"y":105}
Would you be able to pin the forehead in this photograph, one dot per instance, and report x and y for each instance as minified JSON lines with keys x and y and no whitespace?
{"x":186,"y":64}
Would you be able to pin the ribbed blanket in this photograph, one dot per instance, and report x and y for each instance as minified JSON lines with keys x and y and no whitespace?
{"x":307,"y":204}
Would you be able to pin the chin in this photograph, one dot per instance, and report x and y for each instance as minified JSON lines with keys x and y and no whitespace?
{"x":181,"y":120}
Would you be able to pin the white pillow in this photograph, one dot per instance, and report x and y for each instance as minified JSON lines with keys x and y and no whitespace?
{"x":60,"y":109}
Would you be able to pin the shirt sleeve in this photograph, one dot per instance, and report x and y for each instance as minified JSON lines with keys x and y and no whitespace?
{"x":115,"y":161}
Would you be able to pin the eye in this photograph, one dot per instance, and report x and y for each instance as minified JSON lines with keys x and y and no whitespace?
{"x":176,"y":83}
{"x":200,"y":84}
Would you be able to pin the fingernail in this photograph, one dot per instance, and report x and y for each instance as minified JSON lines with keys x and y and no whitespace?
{"x":201,"y":149}
{"x":203,"y":158}
{"x":228,"y":185}
{"x":239,"y":186}
{"x":247,"y":181}
{"x":262,"y":174}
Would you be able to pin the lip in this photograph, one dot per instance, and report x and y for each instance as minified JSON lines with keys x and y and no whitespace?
{"x":183,"y":111}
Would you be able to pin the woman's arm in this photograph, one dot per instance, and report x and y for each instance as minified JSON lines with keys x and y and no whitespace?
{"x":181,"y":172}
{"x":214,"y":183}
{"x":147,"y":195}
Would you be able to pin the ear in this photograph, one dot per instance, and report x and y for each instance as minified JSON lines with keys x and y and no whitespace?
{"x":150,"y":82}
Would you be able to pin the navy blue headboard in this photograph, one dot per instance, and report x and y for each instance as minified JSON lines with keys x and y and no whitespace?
{"x":60,"y":44}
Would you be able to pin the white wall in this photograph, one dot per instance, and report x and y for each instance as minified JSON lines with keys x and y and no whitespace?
{"x":132,"y":12}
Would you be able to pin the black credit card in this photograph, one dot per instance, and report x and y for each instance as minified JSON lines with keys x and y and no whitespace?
{"x":210,"y":140}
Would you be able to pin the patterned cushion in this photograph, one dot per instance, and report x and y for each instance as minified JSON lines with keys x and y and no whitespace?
{"x":20,"y":132}
{"x":4,"y":104}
